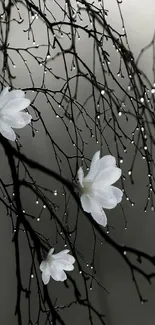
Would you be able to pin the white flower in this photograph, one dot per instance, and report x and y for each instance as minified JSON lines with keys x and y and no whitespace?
{"x":11,"y":105}
{"x":55,"y":265}
{"x":96,"y":187}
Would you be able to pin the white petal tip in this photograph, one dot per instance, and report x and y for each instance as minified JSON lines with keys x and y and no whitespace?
{"x":80,"y":175}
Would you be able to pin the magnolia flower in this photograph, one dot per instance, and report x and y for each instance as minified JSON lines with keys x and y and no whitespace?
{"x":11,"y":105}
{"x":55,"y":265}
{"x":96,"y":187}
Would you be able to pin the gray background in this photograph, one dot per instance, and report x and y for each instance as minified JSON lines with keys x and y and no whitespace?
{"x":122,"y":305}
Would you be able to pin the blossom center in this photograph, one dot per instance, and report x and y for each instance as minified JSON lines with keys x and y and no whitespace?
{"x":50,"y":259}
{"x":87,"y":188}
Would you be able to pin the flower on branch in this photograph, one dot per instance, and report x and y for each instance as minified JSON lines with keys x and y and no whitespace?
{"x":11,"y":105}
{"x":55,"y":265}
{"x":96,"y":187}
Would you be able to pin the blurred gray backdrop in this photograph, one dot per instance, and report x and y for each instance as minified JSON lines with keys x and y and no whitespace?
{"x":122,"y":305}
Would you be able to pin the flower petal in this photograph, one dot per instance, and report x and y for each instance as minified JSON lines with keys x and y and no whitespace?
{"x":15,"y":105}
{"x":4,"y":92}
{"x":63,"y":255}
{"x":106,"y":198}
{"x":107,"y":177}
{"x":16,"y":93}
{"x":69,"y":258}
{"x":45,"y":278}
{"x":62,"y":276}
{"x":7,"y":132}
{"x":98,"y":214}
{"x":80,"y":174}
{"x":85,"y":202}
{"x":51,"y":251}
{"x":57,"y":274}
{"x":64,"y":265}
{"x":106,"y":161}
{"x":118,"y":193}
{"x":17,"y":120}
{"x":43,"y":266}
{"x":92,"y":171}
{"x":4,"y":97}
